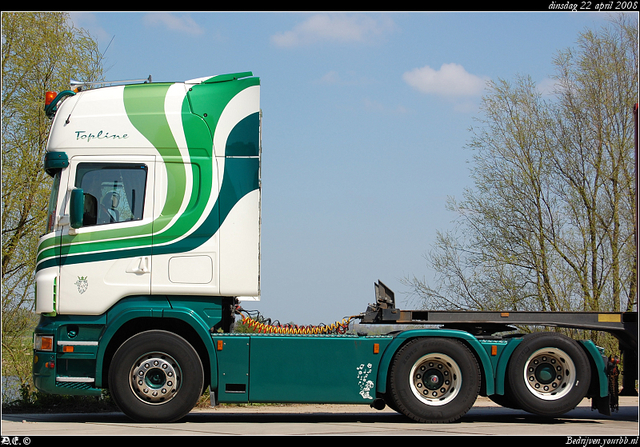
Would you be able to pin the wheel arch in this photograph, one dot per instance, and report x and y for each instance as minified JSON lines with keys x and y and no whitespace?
{"x":184,"y":324}
{"x":599,"y":381}
{"x":486,"y":370}
{"x":503,"y":364}
{"x":534,"y":393}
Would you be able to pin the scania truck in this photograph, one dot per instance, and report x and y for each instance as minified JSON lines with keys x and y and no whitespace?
{"x":152,"y":245}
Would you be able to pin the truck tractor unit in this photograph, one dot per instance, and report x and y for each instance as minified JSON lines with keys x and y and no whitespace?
{"x":152,"y":245}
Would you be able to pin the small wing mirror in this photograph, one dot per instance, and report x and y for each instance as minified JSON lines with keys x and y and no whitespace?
{"x":76,"y":207}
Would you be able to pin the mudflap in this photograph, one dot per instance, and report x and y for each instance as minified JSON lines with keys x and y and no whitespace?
{"x":605,"y":405}
{"x":602,"y":404}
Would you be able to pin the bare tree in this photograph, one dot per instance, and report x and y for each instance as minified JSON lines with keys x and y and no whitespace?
{"x":550,"y":222}
{"x":40,"y":51}
{"x":595,"y":162}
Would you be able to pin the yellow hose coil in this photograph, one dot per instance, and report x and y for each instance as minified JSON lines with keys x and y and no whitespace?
{"x":337,"y":327}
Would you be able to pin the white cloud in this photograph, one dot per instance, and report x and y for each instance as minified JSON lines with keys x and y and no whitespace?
{"x":183,"y":24}
{"x":90,"y":22}
{"x":450,"y":80}
{"x":334,"y":28}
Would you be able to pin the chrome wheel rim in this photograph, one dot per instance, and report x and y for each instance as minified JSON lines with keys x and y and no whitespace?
{"x":549,"y":373}
{"x":155,"y":378}
{"x":435,"y":379}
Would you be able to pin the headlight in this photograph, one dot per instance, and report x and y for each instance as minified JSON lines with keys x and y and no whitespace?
{"x":43,"y":342}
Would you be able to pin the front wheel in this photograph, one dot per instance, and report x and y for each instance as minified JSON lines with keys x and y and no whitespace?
{"x":548,"y":374}
{"x":156,"y":376}
{"x":434,"y":380}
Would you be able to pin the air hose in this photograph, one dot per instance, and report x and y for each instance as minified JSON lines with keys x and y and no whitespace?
{"x":266,"y":326}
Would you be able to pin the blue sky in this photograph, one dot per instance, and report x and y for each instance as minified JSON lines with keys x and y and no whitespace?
{"x":365,"y":123}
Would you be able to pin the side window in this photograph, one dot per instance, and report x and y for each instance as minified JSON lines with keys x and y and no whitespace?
{"x":53,"y":202}
{"x":113,"y":192}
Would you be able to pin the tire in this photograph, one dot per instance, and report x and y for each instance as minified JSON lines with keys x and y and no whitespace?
{"x":156,"y":376}
{"x":434,"y":380}
{"x":548,"y":374}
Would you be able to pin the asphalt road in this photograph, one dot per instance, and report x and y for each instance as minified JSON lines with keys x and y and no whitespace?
{"x":485,"y":418}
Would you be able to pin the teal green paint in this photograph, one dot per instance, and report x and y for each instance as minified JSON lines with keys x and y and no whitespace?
{"x":45,"y":381}
{"x":43,"y":377}
{"x":233,"y":369}
{"x":403,"y":337}
{"x":90,"y":326}
{"x":488,"y":344}
{"x":201,"y":313}
{"x":241,"y":177}
{"x":503,"y":362}
{"x":244,"y":139}
{"x":314,"y":369}
{"x":601,"y":368}
{"x":202,"y":322}
{"x":80,"y":363}
{"x":76,"y":208}
{"x":124,"y":311}
{"x":500,"y":345}
{"x":145,"y":108}
{"x":200,"y":98}
{"x":54,"y":161}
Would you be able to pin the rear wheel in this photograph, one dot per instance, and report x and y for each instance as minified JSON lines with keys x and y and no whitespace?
{"x":434,"y":380}
{"x":548,"y":374}
{"x":156,"y":376}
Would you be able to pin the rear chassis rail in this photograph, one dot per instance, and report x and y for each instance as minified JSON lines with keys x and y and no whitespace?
{"x":622,"y":325}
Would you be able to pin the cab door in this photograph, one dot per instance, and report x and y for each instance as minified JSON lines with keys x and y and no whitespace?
{"x":109,"y":256}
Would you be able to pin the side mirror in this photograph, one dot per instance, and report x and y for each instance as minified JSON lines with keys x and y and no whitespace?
{"x":76,"y":207}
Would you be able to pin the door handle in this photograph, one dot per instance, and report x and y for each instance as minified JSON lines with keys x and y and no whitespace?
{"x":143,"y":265}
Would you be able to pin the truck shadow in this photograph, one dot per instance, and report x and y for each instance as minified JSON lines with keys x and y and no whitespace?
{"x":576,"y":416}
{"x":475,"y":415}
{"x":581,"y":415}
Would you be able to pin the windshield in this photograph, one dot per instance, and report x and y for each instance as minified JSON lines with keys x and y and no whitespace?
{"x":53,"y":202}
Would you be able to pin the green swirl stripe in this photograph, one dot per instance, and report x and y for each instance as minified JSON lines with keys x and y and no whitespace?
{"x":145,"y":110}
{"x":201,"y":110}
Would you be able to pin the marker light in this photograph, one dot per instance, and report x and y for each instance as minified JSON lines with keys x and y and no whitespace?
{"x":49,"y":96}
{"x":43,"y":342}
{"x":51,"y":101}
